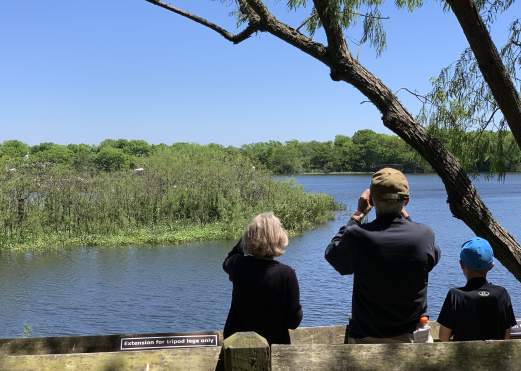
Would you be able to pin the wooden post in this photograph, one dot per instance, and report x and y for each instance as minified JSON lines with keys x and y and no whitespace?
{"x":246,"y":351}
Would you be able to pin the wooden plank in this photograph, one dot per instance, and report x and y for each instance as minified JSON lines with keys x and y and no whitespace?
{"x":475,"y":355}
{"x":246,"y":351}
{"x":318,"y":335}
{"x":335,"y":334}
{"x":193,"y":359}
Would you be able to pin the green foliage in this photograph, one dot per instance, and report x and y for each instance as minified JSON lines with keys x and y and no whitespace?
{"x":51,"y":153}
{"x":462,"y":112}
{"x":364,"y":152}
{"x":14,"y":149}
{"x":111,"y":159}
{"x":185,"y":192}
{"x":347,"y":13}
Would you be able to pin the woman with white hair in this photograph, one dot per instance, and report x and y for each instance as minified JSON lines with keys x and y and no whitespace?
{"x":265,"y":296}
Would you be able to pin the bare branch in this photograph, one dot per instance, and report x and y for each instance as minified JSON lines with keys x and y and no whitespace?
{"x":305,"y":22}
{"x":234,"y":38}
{"x":422,"y":98}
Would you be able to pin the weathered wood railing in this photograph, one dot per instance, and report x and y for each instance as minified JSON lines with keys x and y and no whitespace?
{"x":314,"y":348}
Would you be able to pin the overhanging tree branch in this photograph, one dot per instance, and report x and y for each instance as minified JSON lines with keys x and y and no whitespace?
{"x":287,"y":33}
{"x":463,"y":198}
{"x":234,"y":38}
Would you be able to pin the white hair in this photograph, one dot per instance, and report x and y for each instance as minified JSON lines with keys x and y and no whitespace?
{"x":265,"y":236}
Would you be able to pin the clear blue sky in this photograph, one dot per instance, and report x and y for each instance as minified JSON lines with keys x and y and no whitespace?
{"x":86,"y":70}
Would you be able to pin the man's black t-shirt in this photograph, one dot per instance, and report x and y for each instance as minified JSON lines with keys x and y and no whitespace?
{"x":477,"y":311}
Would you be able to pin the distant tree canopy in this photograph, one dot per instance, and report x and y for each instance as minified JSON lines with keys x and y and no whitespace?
{"x":363,"y":152}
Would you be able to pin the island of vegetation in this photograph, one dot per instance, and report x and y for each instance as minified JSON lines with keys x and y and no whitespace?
{"x":133,"y":193}
{"x":124,"y":192}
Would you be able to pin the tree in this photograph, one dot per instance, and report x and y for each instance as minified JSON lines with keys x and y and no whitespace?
{"x":51,"y":153}
{"x":477,"y":93}
{"x":14,"y":149}
{"x":333,"y":16}
{"x":489,"y":62}
{"x":111,"y":159}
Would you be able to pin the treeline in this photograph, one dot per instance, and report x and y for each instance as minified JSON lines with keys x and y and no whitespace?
{"x":367,"y":151}
{"x":363,"y":152}
{"x":129,"y":192}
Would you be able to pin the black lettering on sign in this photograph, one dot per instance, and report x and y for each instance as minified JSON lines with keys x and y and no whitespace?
{"x":174,"y":341}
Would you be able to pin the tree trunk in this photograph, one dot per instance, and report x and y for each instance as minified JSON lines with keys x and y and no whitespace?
{"x":463,"y":198}
{"x":490,"y":63}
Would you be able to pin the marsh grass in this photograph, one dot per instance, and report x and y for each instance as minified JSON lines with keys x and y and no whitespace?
{"x":186,"y":193}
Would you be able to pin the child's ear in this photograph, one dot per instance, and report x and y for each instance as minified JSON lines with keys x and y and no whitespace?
{"x":464,"y":270}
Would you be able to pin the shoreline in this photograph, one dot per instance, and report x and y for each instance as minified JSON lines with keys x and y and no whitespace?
{"x":141,"y":237}
{"x":471,"y":175}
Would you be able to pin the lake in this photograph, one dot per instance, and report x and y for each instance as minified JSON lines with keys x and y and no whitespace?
{"x":176,"y":289}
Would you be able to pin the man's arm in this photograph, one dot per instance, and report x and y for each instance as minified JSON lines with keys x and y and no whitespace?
{"x":340,"y":251}
{"x":445,"y":333}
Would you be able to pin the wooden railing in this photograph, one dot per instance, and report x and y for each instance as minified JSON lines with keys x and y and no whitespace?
{"x":314,"y":348}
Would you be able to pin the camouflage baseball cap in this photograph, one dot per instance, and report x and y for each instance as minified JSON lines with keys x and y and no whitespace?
{"x":389,"y":184}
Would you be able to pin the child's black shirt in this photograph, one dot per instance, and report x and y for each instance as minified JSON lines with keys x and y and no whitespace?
{"x":477,"y":311}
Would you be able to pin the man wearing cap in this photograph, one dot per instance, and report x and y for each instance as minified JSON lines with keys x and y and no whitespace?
{"x":390,"y":258}
{"x":479,"y":310}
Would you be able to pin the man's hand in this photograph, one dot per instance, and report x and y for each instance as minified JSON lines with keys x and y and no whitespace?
{"x":364,"y":202}
{"x":364,"y":206}
{"x":404,"y":213}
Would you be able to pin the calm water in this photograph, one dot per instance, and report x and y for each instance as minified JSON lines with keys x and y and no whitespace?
{"x":165,"y":289}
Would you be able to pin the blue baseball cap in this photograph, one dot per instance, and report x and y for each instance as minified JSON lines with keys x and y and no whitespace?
{"x":477,"y":254}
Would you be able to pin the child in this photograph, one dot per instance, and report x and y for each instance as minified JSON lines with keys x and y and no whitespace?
{"x":479,"y":310}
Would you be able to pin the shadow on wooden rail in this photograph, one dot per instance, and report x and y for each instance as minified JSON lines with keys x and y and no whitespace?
{"x":314,"y":348}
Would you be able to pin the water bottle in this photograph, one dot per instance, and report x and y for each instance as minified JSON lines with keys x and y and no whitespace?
{"x":423,"y":331}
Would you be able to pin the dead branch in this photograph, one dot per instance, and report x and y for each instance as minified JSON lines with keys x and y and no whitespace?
{"x":422,"y":98}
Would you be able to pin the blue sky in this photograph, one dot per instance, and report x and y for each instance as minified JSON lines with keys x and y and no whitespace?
{"x":85,"y":70}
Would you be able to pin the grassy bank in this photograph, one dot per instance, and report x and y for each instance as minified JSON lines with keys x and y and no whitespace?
{"x":185,"y":193}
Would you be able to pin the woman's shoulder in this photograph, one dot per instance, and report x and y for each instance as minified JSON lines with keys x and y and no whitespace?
{"x":283,"y":268}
